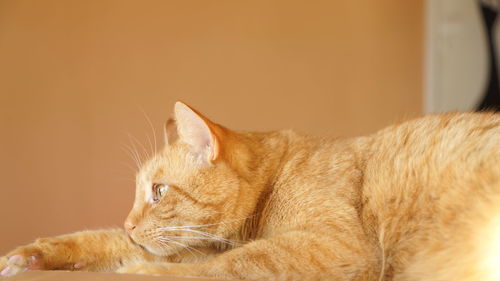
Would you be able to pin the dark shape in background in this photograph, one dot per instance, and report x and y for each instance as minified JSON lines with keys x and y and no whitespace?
{"x":491,"y":97}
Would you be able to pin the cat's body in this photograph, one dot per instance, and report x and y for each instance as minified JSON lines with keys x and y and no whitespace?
{"x":415,"y":201}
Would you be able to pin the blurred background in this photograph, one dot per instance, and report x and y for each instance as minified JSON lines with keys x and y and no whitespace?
{"x":80,"y":79}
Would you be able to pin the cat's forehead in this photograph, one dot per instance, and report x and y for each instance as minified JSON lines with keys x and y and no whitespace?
{"x":172,"y":164}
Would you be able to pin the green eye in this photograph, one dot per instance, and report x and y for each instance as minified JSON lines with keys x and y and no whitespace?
{"x":159,"y":190}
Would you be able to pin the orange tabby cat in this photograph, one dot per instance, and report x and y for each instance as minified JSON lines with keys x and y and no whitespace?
{"x":416,"y":201}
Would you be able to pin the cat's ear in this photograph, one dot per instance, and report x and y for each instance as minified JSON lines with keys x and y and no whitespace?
{"x":170,"y":131}
{"x":197,"y":131}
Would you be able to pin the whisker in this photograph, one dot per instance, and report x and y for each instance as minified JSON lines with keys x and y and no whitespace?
{"x":134,"y":151}
{"x":133,"y":155}
{"x":197,"y":238}
{"x":190,"y":249}
{"x":168,"y":247}
{"x":152,"y":129}
{"x":211,"y":224}
{"x":135,"y":140}
{"x":152,"y":150}
{"x":205,"y":234}
{"x":127,"y":164}
{"x":126,"y":179}
{"x":150,"y":144}
{"x":188,"y":237}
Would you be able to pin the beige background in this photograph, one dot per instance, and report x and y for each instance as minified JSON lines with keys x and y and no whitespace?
{"x":76,"y":77}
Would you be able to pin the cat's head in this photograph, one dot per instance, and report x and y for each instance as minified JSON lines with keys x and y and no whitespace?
{"x":188,"y":194}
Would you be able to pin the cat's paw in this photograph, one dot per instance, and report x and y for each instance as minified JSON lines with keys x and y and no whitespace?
{"x":20,"y":260}
{"x":16,"y":264}
{"x":43,"y":254}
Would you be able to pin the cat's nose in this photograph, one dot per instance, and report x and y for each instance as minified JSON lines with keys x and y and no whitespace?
{"x":129,"y":227}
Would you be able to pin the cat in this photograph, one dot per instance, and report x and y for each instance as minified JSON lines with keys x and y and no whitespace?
{"x":419,"y":200}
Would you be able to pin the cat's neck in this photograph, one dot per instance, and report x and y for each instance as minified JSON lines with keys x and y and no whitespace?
{"x":261,"y":158}
{"x":258,"y":159}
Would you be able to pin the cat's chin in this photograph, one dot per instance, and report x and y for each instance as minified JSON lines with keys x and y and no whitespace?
{"x":154,"y":251}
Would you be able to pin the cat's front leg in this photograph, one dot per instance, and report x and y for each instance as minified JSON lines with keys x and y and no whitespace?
{"x":297,"y":255}
{"x":173,"y":269}
{"x":102,"y":250}
{"x":185,"y":266}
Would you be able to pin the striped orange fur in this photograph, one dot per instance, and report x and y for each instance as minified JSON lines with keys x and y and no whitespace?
{"x":419,"y":200}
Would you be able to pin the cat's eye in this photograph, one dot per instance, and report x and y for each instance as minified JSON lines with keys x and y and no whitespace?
{"x":159,"y":190}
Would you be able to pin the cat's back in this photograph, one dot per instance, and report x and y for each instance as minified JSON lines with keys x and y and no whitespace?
{"x":439,"y":137}
{"x":416,"y":154}
{"x":431,"y":184}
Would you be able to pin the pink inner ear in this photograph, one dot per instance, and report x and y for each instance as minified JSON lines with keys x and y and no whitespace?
{"x":194,"y":131}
